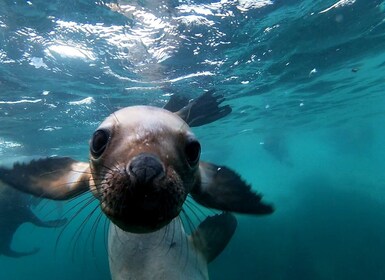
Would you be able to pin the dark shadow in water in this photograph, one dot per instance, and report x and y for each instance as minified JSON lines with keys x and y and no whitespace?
{"x":335,"y":230}
{"x":355,"y":139}
{"x":275,"y":144}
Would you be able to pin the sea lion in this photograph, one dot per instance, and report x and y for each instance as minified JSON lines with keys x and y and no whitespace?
{"x":15,"y":210}
{"x":143,"y":163}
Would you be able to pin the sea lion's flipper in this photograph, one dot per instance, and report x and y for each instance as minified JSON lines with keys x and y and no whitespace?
{"x":176,"y":102}
{"x":57,"y":178}
{"x":223,"y":189}
{"x":213,"y":234}
{"x":47,"y":224}
{"x":204,"y":109}
{"x":13,"y":254}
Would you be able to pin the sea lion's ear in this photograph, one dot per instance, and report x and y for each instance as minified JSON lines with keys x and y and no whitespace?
{"x":223,"y":189}
{"x":56,"y":178}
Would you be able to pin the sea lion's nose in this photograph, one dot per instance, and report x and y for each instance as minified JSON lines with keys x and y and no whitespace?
{"x":145,"y":167}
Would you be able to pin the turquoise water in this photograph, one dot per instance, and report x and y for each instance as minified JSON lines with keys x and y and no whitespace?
{"x":305,"y":81}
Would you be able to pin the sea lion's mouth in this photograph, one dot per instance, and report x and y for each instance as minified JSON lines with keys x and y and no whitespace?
{"x":143,"y":214}
{"x":141,"y":205}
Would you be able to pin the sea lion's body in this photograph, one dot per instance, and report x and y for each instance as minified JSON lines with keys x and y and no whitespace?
{"x":15,"y":210}
{"x":168,"y":253}
{"x":144,"y":162}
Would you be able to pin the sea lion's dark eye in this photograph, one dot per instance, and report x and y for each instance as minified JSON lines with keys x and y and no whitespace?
{"x":99,"y":142}
{"x":193,"y":151}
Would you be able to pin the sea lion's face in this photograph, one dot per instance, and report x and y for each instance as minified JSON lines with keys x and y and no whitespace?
{"x":144,"y":161}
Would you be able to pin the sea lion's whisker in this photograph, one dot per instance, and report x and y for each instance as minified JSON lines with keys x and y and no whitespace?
{"x":95,"y":227}
{"x":192,"y":203}
{"x":185,"y":238}
{"x":69,"y":183}
{"x":164,"y":235}
{"x":118,"y":237}
{"x":78,"y":233}
{"x":60,"y":171}
{"x":108,"y":168}
{"x":80,"y":229}
{"x":90,"y":200}
{"x":166,"y":230}
{"x":44,"y":204}
{"x":116,"y":118}
{"x":193,"y":231}
{"x":81,"y":202}
{"x":109,"y":109}
{"x":41,"y":205}
{"x":189,"y":221}
{"x":116,"y":166}
{"x":105,"y":233}
{"x":192,"y":211}
{"x":172,"y":237}
{"x":181,"y":225}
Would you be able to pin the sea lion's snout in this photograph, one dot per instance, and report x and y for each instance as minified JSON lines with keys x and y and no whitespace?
{"x":143,"y":194}
{"x":145,"y":168}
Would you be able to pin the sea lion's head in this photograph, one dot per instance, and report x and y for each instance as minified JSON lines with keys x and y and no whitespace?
{"x":144,"y":161}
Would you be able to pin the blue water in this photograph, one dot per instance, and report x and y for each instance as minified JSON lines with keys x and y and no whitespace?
{"x":305,"y":81}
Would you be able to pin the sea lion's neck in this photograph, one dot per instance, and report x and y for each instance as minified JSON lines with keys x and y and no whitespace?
{"x":164,"y":254}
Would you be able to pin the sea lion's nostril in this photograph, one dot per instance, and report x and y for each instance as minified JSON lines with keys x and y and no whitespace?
{"x":145,"y":167}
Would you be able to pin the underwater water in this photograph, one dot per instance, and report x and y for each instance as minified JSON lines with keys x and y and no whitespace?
{"x":305,"y":80}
